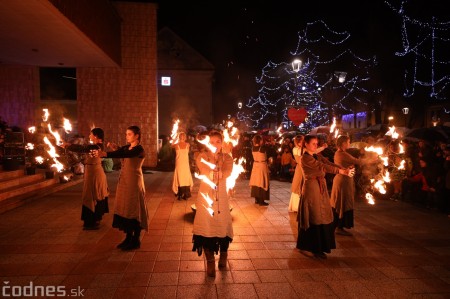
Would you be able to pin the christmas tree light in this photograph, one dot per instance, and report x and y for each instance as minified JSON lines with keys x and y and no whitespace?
{"x":314,"y":86}
{"x":425,"y":46}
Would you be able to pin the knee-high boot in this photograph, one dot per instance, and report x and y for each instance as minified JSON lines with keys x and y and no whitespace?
{"x":223,"y":259}
{"x":135,"y":241}
{"x":127,"y":240}
{"x":210,"y":263}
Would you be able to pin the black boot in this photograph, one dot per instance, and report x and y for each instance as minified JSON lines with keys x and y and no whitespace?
{"x":126,"y":241}
{"x":135,"y":241}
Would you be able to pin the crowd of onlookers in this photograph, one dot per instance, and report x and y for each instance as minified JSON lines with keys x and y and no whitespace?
{"x":419,"y":170}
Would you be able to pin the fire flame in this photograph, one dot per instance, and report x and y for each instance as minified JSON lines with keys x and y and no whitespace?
{"x":238,"y":168}
{"x":208,"y":204}
{"x":211,"y":165}
{"x":174,"y":134}
{"x":205,"y":179}
{"x":67,"y":126}
{"x":333,"y":125}
{"x":46,"y":114}
{"x":205,"y":141}
{"x":370,"y":199}
{"x":55,"y":134}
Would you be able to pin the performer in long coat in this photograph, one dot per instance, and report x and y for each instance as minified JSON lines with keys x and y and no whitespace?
{"x":259,"y":178}
{"x":95,"y":187}
{"x":298,"y":180}
{"x":182,"y":177}
{"x":343,"y":192}
{"x":130,"y":212}
{"x":316,"y":229}
{"x":213,"y":230}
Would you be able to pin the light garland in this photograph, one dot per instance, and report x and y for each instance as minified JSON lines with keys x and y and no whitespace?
{"x":424,"y":44}
{"x":281,"y":88}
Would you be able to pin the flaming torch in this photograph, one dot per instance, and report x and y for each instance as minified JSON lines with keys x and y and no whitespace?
{"x":174,"y":134}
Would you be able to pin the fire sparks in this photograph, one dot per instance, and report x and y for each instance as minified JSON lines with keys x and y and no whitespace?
{"x":238,"y":168}
{"x":32,"y":129}
{"x":208,"y":203}
{"x":211,"y":165}
{"x":46,"y":114}
{"x":370,"y":199}
{"x":29,"y":146}
{"x":205,"y":141}
{"x":333,"y":125}
{"x":55,"y":134}
{"x":230,"y":134}
{"x":67,"y":126}
{"x":174,"y":134}
{"x":205,"y":179}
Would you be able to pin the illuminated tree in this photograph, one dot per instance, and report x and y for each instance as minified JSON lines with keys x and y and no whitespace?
{"x":315,"y":86}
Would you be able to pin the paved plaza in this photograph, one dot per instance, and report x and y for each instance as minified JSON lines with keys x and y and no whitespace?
{"x":397,"y":250}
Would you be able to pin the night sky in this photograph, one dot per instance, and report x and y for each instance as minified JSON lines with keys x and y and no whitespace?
{"x":239,"y":39}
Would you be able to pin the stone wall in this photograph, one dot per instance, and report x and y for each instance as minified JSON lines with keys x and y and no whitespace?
{"x":115,"y":98}
{"x":19,"y":95}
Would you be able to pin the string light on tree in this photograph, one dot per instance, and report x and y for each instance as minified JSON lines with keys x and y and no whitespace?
{"x":281,"y":87}
{"x":425,"y":45}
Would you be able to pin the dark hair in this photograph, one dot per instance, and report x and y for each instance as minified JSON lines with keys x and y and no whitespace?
{"x":308,"y":138}
{"x":97,"y":132}
{"x":257,"y":140}
{"x":136,"y":131}
{"x":341,"y":140}
{"x":298,"y":139}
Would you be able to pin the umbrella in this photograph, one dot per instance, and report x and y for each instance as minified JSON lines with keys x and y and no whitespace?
{"x":429,"y":134}
{"x":200,"y":129}
{"x":378,"y":128}
{"x":320,"y":129}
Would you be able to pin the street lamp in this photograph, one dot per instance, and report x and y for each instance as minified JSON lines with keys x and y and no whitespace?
{"x":296,"y":66}
{"x":405,"y":113}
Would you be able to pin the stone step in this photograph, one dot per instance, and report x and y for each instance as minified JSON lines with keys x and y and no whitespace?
{"x":20,"y":189}
{"x":6,"y":175}
{"x":27,"y":188}
{"x":19,"y":181}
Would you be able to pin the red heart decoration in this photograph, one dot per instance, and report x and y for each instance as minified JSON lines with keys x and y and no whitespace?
{"x":297,"y":116}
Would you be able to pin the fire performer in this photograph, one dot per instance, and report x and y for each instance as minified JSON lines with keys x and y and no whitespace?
{"x":95,"y":187}
{"x":343,"y":192}
{"x":182,"y":177}
{"x":213,"y":230}
{"x":259,"y":178}
{"x":130,"y":213}
{"x":315,"y":217}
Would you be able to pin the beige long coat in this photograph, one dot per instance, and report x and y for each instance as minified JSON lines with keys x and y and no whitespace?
{"x":182,"y":174}
{"x":212,"y":216}
{"x":260,"y":171}
{"x":95,"y":185}
{"x":343,"y":191}
{"x":314,"y":207}
{"x":130,"y":192}
{"x":297,"y":181}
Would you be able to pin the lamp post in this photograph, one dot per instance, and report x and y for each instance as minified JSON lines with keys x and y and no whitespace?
{"x":296,"y":65}
{"x":405,"y":113}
